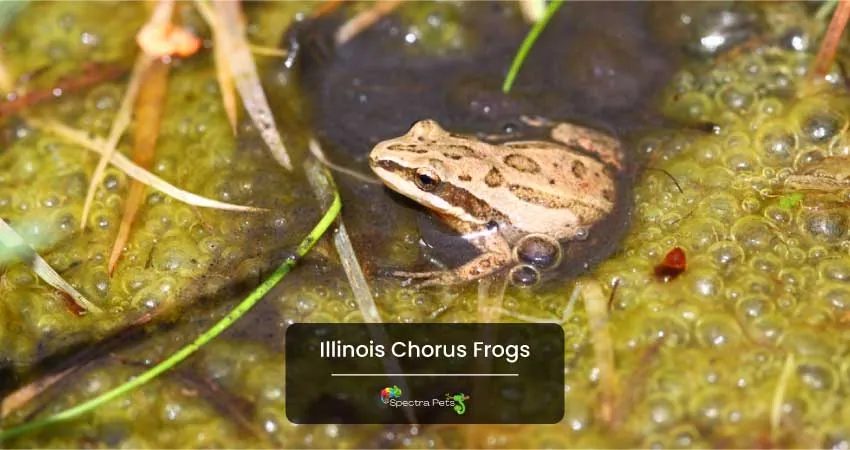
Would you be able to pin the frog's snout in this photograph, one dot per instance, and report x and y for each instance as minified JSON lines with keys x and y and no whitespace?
{"x":383,"y":167}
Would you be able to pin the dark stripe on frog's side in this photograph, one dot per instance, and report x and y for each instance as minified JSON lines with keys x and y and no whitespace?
{"x":583,"y":210}
{"x":452,"y":194}
{"x":471,"y":204}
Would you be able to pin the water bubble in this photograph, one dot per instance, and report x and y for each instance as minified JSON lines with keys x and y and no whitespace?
{"x":767,"y":328}
{"x":806,"y":342}
{"x":726,"y":255}
{"x":770,"y":106}
{"x":538,"y":250}
{"x":577,"y":414}
{"x":754,"y":306}
{"x":753,"y":233}
{"x":671,"y":331}
{"x":704,"y":282}
{"x":742,"y":162}
{"x":702,"y":233}
{"x":720,"y":206}
{"x":836,"y":438}
{"x":835,"y":296}
{"x":717,"y":330}
{"x":766,"y":263}
{"x":817,"y":374}
{"x":777,"y":143}
{"x":777,"y":216}
{"x":708,"y":406}
{"x":824,"y":226}
{"x":813,"y":314}
{"x":737,"y":97}
{"x":524,"y":275}
{"x":662,"y":411}
{"x":808,"y":157}
{"x":820,"y":127}
{"x":835,"y":269}
{"x":817,"y":253}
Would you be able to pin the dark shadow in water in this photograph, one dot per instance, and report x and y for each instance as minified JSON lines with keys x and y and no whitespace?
{"x":596,"y":64}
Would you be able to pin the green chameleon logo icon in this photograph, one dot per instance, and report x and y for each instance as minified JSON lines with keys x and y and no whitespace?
{"x":460,"y":406}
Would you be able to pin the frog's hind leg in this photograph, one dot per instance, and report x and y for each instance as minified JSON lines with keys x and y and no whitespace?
{"x":606,"y":147}
{"x":495,"y":256}
{"x":479,"y":267}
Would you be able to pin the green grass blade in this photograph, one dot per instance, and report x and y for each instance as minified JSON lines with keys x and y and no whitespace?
{"x":186,"y":351}
{"x":8,"y":11}
{"x":528,"y":42}
{"x":826,"y":9}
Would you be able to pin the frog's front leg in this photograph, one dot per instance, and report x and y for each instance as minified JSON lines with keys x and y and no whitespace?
{"x":495,"y":255}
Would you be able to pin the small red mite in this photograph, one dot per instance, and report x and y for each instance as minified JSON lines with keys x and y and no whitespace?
{"x":673,"y":265}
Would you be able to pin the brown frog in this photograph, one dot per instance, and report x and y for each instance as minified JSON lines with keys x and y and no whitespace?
{"x":516,"y":202}
{"x":832,"y":174}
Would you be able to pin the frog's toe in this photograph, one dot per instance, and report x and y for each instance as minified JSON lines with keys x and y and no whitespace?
{"x":415,"y":275}
{"x":421,"y":279}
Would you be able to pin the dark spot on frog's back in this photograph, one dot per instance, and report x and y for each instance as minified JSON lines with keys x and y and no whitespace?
{"x":463,"y":150}
{"x":522,"y":163}
{"x":493,"y":178}
{"x":581,"y":210}
{"x":464,"y":177}
{"x":579,"y":169}
{"x":407,"y":148}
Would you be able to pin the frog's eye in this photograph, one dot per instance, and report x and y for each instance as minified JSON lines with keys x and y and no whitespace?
{"x":426,"y":179}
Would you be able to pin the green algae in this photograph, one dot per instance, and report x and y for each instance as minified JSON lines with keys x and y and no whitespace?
{"x":220,"y":326}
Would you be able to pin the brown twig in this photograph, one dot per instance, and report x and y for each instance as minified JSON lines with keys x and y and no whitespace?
{"x":829,"y":45}
{"x":48,"y":384}
{"x":326,"y":7}
{"x":364,"y":20}
{"x":149,"y":105}
{"x":23,"y":396}
{"x":92,"y":75}
{"x":596,"y":308}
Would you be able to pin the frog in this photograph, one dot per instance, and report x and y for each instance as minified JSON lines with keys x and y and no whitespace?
{"x":517,"y":202}
{"x":832,"y":174}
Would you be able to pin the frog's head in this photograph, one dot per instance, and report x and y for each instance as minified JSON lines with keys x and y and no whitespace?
{"x":415,"y":165}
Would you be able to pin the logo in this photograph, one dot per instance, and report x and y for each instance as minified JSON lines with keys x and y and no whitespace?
{"x":460,"y":406}
{"x":390,"y":392}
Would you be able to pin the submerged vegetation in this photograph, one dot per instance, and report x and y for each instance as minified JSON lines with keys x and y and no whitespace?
{"x":721,"y":320}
